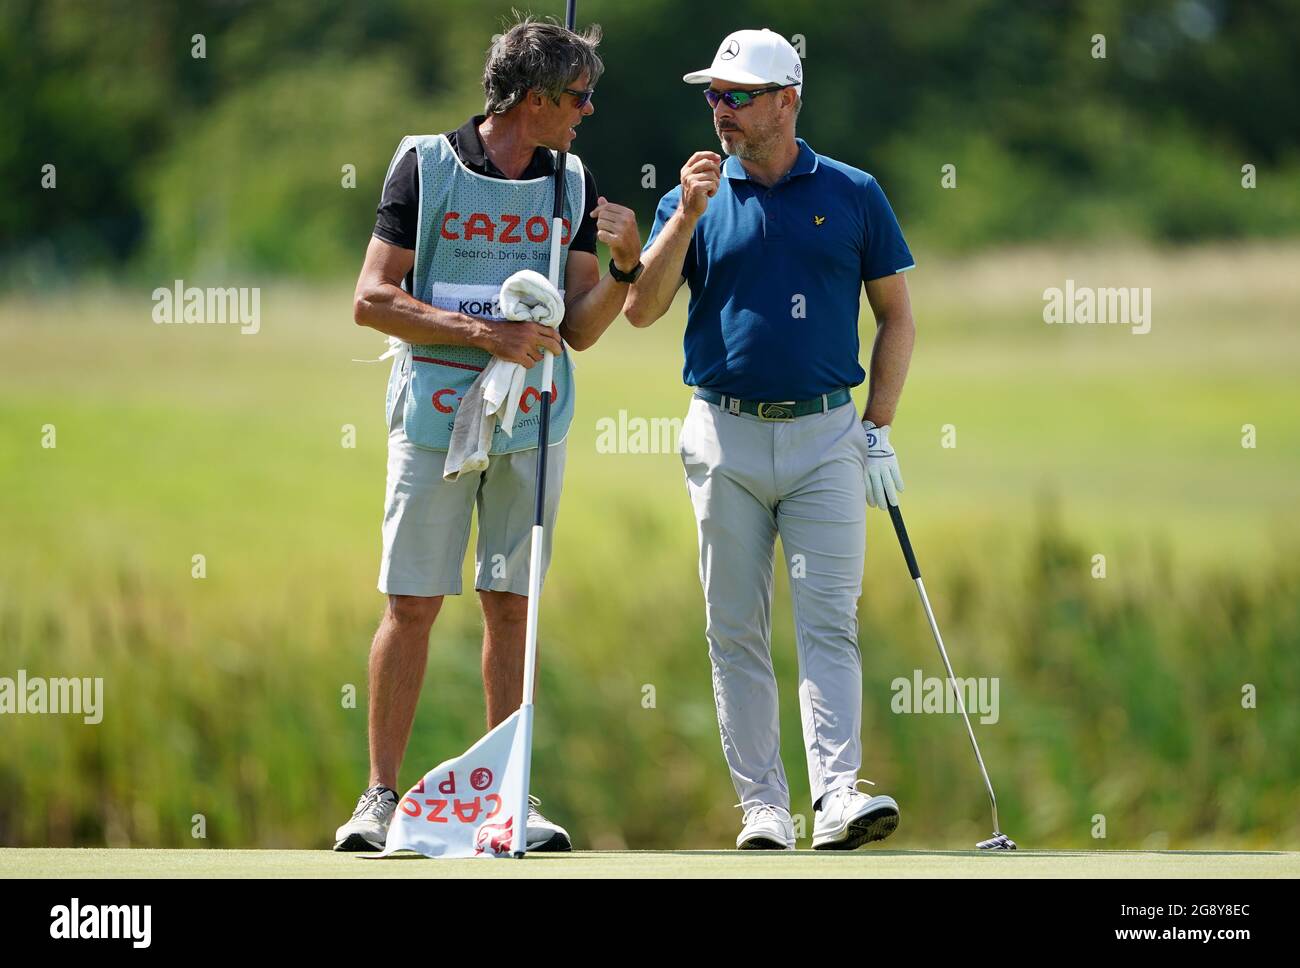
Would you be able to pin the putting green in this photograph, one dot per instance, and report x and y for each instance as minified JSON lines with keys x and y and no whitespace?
{"x":103,"y":863}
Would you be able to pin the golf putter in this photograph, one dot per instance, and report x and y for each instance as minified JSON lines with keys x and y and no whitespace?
{"x":999,"y":840}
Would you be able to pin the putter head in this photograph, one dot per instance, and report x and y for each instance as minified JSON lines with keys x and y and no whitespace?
{"x":997,"y":842}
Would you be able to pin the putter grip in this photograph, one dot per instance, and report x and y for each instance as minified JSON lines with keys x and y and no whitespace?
{"x":543,"y":447}
{"x":904,"y":542}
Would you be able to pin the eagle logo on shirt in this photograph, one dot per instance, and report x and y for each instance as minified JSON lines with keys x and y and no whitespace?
{"x":818,"y":219}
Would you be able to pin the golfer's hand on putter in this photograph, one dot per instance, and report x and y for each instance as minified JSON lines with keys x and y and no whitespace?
{"x":884,"y":480}
{"x":700,"y":178}
{"x":519,"y":342}
{"x":616,"y":227}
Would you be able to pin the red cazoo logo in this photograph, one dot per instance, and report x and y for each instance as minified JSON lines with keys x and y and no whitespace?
{"x":526,"y":399}
{"x":496,"y":838}
{"x":449,"y":807}
{"x":504,"y":228}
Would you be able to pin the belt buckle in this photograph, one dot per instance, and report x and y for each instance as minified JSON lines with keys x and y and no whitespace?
{"x":776,"y":411}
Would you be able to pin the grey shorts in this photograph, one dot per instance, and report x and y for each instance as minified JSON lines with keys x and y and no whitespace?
{"x":427,"y":519}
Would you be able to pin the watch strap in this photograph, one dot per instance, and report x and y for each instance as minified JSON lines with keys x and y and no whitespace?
{"x":621,"y":276}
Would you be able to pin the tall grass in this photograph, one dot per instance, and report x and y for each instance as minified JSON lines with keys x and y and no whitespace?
{"x":1119,"y":697}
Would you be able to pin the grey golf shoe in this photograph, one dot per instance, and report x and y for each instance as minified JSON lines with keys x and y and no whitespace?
{"x":367,"y":830}
{"x":544,"y":836}
{"x":848,"y":819}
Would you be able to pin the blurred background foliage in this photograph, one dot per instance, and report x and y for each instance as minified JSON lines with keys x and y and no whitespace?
{"x":234,"y":160}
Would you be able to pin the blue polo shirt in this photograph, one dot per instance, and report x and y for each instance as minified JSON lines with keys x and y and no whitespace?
{"x":819,"y":233}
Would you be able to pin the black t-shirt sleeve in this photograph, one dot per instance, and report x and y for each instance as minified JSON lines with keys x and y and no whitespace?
{"x":398,"y":214}
{"x":585,"y":240}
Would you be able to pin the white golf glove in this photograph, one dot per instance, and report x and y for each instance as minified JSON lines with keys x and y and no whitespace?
{"x":529,"y":295}
{"x":884,"y":480}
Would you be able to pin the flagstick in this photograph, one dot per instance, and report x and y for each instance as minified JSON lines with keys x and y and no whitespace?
{"x":535,"y":573}
{"x":539,"y":514}
{"x":534,"y":597}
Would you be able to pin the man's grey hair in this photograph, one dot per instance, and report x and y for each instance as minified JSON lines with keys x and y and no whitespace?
{"x":538,"y":55}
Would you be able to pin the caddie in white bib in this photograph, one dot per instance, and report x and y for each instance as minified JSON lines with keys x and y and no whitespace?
{"x":473,"y":233}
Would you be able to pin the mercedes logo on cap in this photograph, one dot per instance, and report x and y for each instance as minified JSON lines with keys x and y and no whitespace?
{"x":730,"y":51}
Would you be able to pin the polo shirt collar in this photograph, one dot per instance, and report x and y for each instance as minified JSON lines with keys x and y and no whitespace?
{"x":804,"y":164}
{"x":470,"y":148}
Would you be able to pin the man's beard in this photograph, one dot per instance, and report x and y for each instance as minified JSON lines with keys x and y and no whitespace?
{"x":756,"y":145}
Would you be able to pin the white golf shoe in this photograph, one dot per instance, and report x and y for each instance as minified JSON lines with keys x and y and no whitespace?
{"x":766,"y":827}
{"x":368,"y":828}
{"x":544,"y":836}
{"x":848,"y":819}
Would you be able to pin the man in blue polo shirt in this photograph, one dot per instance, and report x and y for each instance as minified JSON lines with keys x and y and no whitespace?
{"x":775,"y":245}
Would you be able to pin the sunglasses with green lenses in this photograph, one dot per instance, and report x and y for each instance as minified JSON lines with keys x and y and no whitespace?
{"x":739,"y":99}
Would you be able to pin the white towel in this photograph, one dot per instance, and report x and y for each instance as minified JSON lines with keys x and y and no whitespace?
{"x":494,"y":394}
{"x":530,"y":295}
{"x":471,"y":437}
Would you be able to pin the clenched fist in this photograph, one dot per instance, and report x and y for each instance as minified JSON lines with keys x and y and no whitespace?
{"x":616,"y":227}
{"x":700,"y":178}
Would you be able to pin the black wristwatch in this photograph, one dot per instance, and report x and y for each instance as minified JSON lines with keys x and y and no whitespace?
{"x":621,"y":276}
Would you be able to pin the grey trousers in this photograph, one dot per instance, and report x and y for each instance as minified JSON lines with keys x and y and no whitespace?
{"x":749,"y":481}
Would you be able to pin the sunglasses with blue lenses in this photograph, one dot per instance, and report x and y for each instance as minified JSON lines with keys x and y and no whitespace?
{"x":581,"y":98}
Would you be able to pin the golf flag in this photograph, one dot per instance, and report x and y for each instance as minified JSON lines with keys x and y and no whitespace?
{"x":472,"y":805}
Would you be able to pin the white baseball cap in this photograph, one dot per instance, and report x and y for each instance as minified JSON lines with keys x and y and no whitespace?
{"x":753,"y":57}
